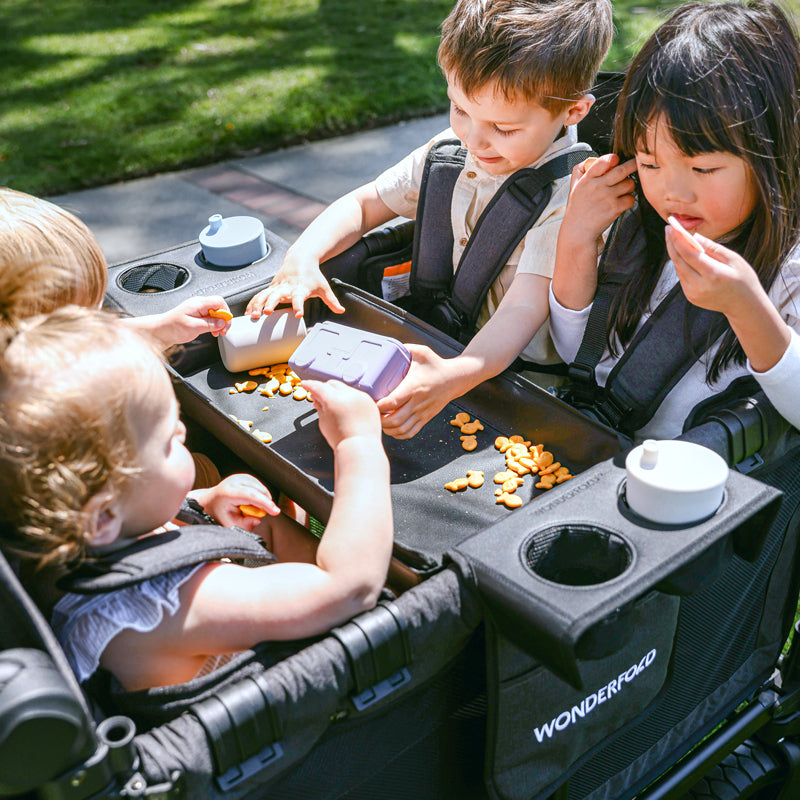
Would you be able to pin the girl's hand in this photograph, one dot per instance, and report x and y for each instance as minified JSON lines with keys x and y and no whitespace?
{"x":598,"y":194}
{"x":720,"y":280}
{"x":717,"y":278}
{"x":344,"y":412}
{"x":293,"y":283}
{"x":223,"y":501}
{"x":422,"y":394}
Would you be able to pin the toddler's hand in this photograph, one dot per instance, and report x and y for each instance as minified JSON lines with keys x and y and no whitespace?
{"x":293,"y":283}
{"x":343,"y":411}
{"x":191,"y":318}
{"x":223,"y":501}
{"x":419,"y":397}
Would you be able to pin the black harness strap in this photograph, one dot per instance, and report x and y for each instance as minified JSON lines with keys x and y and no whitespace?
{"x":658,"y":356}
{"x":434,"y":272}
{"x":673,"y":338}
{"x":502,"y":225}
{"x":161,"y":553}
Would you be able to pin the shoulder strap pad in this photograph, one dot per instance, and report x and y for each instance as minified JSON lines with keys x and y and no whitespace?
{"x":674,"y":337}
{"x":433,"y":228}
{"x":505,"y":221}
{"x":161,"y":553}
{"x":515,"y":207}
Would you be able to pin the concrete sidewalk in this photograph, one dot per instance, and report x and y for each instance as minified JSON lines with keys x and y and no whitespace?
{"x":286,"y":189}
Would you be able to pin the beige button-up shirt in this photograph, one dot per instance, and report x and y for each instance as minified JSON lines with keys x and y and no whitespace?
{"x":399,"y":186}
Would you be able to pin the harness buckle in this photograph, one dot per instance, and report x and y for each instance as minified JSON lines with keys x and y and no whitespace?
{"x":612,"y":410}
{"x":582,"y":374}
{"x":444,"y":317}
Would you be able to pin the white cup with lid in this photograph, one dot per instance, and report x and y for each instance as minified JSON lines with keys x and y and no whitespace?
{"x":673,"y":482}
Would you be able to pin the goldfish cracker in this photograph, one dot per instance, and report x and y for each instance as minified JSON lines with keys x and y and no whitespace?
{"x":502,"y":477}
{"x":551,"y":468}
{"x":472,"y":427}
{"x":517,"y":466}
{"x":458,"y":485}
{"x":220,"y":313}
{"x":475,"y":478}
{"x":509,"y":500}
{"x":252,"y":511}
{"x":511,"y":485}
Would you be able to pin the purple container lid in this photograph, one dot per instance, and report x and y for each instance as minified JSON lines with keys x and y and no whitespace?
{"x":368,"y":361}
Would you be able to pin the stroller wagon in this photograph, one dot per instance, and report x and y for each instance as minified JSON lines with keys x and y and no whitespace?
{"x":566,"y":649}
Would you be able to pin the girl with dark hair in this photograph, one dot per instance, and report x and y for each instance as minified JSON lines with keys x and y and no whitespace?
{"x":708,"y":119}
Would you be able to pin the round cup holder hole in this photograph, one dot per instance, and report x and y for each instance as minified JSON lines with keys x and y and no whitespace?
{"x":577,"y":555}
{"x":152,"y":278}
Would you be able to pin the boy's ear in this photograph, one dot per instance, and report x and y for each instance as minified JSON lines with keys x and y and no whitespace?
{"x":103,"y":524}
{"x":579,"y":109}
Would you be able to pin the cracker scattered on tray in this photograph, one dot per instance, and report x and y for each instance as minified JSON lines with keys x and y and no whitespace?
{"x":521,"y":456}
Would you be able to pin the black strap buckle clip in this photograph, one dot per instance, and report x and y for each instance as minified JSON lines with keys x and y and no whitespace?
{"x":581,"y":374}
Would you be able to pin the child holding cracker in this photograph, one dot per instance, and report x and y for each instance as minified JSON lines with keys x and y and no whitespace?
{"x":92,"y":460}
{"x":708,"y":119}
{"x":518,"y":77}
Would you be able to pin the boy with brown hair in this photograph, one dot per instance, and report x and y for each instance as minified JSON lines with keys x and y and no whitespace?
{"x":518,"y":77}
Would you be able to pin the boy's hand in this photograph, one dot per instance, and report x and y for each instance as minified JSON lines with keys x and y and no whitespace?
{"x":223,"y":501}
{"x":344,"y":412}
{"x":293,"y":283}
{"x":598,"y":194}
{"x":420,"y":396}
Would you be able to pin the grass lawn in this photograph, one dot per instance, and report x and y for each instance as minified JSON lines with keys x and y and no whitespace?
{"x":95,"y":91}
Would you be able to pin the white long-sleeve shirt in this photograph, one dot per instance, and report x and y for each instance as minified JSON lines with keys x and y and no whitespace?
{"x":781,"y":384}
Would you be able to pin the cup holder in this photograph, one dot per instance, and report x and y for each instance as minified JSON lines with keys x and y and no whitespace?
{"x":150,"y":278}
{"x":577,"y":555}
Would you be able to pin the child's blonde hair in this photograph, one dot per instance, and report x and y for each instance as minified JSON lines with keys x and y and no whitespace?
{"x":70,"y":266}
{"x":72,"y":385}
{"x":549,"y":51}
